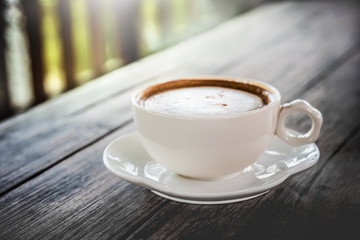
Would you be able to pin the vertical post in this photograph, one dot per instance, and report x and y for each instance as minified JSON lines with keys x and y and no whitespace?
{"x":165,"y":21}
{"x":127,"y":12}
{"x":5,"y":109}
{"x":97,"y":35}
{"x":64,"y":12}
{"x":33,"y":14}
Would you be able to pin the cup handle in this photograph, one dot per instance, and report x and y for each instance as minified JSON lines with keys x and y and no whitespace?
{"x":299,"y":105}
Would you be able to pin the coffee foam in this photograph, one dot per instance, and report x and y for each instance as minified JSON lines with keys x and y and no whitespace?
{"x":203,"y":101}
{"x":204,"y":97}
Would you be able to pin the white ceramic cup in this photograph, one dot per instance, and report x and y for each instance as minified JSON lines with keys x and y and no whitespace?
{"x":215,"y":147}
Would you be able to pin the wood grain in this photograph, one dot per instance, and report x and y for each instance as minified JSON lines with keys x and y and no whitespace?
{"x":320,"y":202}
{"x":73,"y":121}
{"x":113,"y":208}
{"x":67,"y":192}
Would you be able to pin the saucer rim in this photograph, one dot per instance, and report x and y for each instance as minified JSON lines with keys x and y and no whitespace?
{"x":223,"y":196}
{"x":209,"y":201}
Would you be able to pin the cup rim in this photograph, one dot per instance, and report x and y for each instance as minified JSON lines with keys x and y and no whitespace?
{"x":270,"y":88}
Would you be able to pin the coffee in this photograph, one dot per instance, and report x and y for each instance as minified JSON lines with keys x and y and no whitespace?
{"x":204,"y":98}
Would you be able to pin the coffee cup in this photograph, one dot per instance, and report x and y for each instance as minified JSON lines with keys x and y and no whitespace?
{"x":209,"y":128}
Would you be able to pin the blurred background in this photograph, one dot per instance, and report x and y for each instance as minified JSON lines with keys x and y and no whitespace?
{"x":51,"y":46}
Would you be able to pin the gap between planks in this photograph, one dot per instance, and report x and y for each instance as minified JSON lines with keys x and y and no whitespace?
{"x":38,"y":173}
{"x":347,"y":139}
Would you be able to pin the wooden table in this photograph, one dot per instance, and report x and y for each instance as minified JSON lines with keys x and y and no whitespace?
{"x":54,"y":184}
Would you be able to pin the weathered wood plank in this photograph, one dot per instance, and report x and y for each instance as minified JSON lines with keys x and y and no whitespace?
{"x":80,"y":198}
{"x":130,"y":214}
{"x":71,"y":123}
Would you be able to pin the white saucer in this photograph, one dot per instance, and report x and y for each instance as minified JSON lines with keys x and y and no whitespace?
{"x":126,"y":158}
